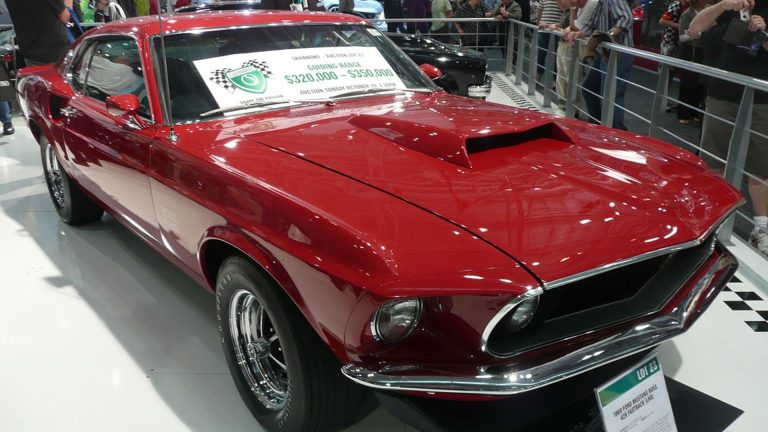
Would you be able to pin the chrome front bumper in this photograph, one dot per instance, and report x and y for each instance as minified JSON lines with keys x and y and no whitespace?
{"x":481,"y":91}
{"x":512,"y":379}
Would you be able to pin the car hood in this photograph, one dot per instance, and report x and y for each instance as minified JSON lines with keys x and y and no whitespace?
{"x":560,"y":196}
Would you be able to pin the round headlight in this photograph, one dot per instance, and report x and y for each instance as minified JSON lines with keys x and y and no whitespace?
{"x":521,"y":315}
{"x":396,"y":320}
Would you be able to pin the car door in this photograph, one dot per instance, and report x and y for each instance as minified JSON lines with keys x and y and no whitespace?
{"x":111,"y":153}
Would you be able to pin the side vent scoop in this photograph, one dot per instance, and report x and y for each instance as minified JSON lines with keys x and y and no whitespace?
{"x":443,"y":140}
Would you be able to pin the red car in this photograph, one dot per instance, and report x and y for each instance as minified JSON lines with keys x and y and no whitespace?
{"x":362,"y":228}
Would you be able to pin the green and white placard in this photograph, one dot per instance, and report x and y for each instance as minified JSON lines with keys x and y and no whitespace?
{"x":637,"y":400}
{"x":295,"y":74}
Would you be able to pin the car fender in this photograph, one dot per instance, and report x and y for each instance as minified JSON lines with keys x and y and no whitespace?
{"x":221,"y":241}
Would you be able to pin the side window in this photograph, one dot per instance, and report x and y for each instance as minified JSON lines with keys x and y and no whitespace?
{"x":80,"y":69}
{"x":115,"y":69}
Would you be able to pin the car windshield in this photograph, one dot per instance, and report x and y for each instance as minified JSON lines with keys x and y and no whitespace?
{"x":214,"y":72}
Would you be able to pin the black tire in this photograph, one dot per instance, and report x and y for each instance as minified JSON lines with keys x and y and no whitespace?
{"x":316,"y":396}
{"x":71,"y":203}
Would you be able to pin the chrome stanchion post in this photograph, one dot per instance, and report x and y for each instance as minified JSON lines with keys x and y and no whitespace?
{"x":549,"y":63}
{"x":609,"y":92}
{"x":477,"y":35}
{"x":533,"y":62}
{"x":574,"y":74}
{"x":658,"y":99}
{"x":520,"y":55}
{"x":510,"y":46}
{"x":737,"y":152}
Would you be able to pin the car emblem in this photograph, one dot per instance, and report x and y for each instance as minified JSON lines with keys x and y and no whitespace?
{"x":249,"y":79}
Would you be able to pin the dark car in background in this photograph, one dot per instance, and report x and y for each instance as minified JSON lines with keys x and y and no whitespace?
{"x":463,"y":70}
{"x":466,"y":68}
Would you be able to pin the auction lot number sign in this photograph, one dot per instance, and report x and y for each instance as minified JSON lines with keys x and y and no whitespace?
{"x":637,"y":400}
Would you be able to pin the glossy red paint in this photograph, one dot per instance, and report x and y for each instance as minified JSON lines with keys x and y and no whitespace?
{"x":123,"y":105}
{"x":464,"y":203}
{"x":548,"y":178}
{"x":431,"y":71}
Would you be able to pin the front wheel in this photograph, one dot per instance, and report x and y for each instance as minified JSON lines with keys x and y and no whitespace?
{"x":71,"y":203}
{"x":285,"y":374}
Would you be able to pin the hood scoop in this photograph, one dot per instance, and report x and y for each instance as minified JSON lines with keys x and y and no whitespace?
{"x":443,"y":140}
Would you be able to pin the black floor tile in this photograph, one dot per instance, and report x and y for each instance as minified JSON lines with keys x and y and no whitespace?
{"x":748,"y":295}
{"x":699,"y":412}
{"x":758,"y":326}
{"x":735,"y":279}
{"x":763,"y":314}
{"x":738,"y":305}
{"x":727,"y":288}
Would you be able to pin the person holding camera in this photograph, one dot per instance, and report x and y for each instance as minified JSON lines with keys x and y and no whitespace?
{"x":732,"y":34}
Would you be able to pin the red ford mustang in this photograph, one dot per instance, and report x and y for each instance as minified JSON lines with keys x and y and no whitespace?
{"x":362,"y":228}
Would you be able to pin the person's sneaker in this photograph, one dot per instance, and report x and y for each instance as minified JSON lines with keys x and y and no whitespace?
{"x":8,"y":129}
{"x":759,"y":239}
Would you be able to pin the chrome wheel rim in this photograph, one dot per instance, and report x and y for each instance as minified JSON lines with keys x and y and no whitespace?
{"x":258,"y":352}
{"x":55,"y":178}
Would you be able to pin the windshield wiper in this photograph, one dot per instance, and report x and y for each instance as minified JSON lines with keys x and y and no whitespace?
{"x":257,"y":105}
{"x":378,"y":90}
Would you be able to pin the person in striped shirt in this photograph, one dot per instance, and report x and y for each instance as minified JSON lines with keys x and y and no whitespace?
{"x":613,"y":17}
{"x":549,"y":13}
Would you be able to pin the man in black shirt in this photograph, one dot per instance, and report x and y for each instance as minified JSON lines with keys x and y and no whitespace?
{"x":39,"y":26}
{"x":725,"y":38}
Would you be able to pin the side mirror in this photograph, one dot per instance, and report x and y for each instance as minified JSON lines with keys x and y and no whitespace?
{"x":126,"y":105}
{"x":432,"y":72}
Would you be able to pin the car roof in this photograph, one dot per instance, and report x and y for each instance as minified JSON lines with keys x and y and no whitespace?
{"x":180,"y":22}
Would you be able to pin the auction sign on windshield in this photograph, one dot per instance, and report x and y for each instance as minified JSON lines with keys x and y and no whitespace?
{"x":296,"y":74}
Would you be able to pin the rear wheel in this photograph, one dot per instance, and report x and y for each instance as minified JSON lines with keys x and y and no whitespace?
{"x":71,"y":203}
{"x":285,"y":374}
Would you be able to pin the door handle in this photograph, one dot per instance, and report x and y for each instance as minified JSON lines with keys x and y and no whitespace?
{"x":66,"y":111}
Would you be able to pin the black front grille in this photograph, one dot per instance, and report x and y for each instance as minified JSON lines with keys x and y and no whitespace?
{"x":603,"y":300}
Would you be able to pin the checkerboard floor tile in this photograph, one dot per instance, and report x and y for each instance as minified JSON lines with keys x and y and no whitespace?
{"x":751,"y":306}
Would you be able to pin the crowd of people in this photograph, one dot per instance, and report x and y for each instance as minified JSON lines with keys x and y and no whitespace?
{"x":726,"y":34}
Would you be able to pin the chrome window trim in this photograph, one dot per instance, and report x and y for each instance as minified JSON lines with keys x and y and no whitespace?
{"x":639,"y":258}
{"x":87,"y":41}
{"x":499,"y":315}
{"x":69,"y":76}
{"x":69,"y":62}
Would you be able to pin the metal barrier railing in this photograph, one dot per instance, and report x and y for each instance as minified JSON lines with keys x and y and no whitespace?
{"x":734,"y":171}
{"x":519,"y":52}
{"x":485,"y":30}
